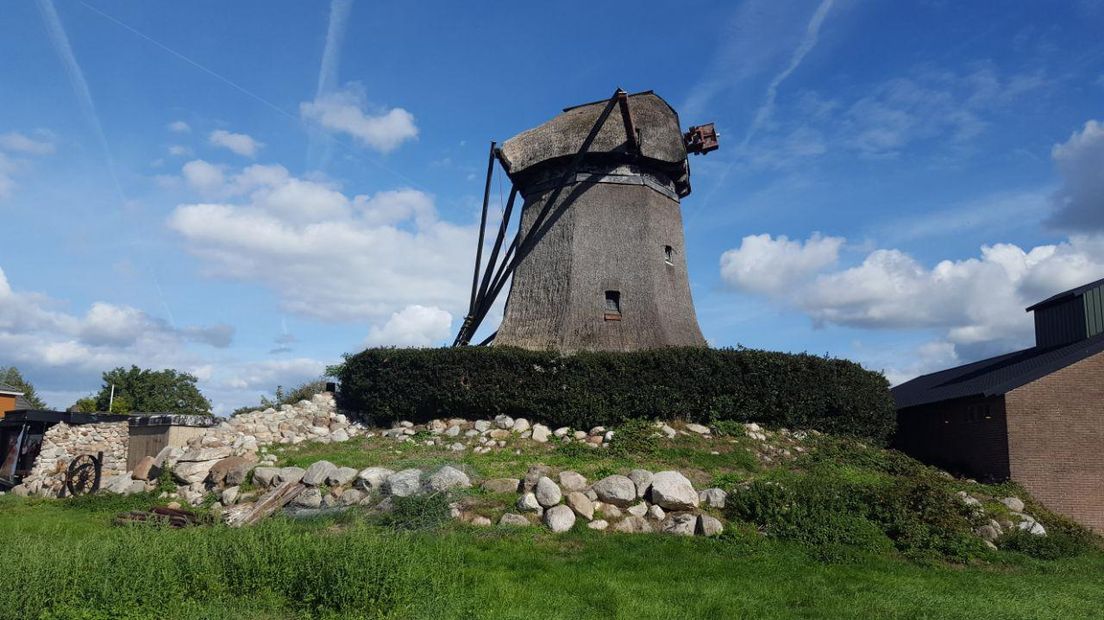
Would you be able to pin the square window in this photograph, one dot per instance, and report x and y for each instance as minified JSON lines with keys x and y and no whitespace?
{"x":668,"y":255}
{"x":613,"y":305}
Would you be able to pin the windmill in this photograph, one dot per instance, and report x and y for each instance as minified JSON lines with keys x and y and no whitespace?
{"x":599,"y":259}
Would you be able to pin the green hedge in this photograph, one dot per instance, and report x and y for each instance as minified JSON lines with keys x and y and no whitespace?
{"x":583,"y":390}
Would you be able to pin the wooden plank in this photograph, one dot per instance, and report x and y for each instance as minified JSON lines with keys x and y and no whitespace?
{"x":248,"y":514}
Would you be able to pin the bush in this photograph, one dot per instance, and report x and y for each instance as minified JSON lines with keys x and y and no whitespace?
{"x":589,"y":389}
{"x":1064,"y":539}
{"x":418,"y":512}
{"x":634,"y":438}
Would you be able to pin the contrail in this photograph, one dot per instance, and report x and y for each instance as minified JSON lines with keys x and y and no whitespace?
{"x":60,"y":42}
{"x":763,"y":114}
{"x":319,"y":144}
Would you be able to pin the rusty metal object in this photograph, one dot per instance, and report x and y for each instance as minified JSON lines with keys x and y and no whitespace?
{"x":702,"y":139}
{"x":83,"y":475}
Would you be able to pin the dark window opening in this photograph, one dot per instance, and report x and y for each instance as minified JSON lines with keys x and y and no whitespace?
{"x":668,"y":254}
{"x":613,"y":305}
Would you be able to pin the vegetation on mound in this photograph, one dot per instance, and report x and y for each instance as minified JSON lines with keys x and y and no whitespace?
{"x":589,"y":389}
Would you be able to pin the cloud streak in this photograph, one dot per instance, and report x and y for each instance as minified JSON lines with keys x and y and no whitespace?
{"x":319,"y":145}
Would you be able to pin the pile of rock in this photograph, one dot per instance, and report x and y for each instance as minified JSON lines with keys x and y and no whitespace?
{"x":638,"y":502}
{"x":1000,"y":523}
{"x":316,"y":419}
{"x":63,"y":442}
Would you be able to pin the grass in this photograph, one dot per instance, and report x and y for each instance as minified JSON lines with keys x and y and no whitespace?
{"x":68,"y":562}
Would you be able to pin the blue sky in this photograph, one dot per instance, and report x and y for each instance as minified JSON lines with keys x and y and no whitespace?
{"x":248,"y":190}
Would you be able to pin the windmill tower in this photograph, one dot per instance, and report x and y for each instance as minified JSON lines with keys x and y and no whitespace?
{"x":599,"y":261}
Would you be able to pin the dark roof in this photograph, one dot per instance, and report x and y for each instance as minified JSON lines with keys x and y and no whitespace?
{"x":20,"y":416}
{"x":22,"y":403}
{"x":11,"y":389}
{"x":994,"y":376}
{"x":1053,"y":299}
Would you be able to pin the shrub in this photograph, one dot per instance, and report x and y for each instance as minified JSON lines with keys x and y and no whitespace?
{"x":588,"y":389}
{"x":1064,"y":539}
{"x":634,"y":438}
{"x":418,"y":512}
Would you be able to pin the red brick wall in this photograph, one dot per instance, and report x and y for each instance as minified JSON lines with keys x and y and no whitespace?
{"x":966,"y":437}
{"x":1056,"y":440}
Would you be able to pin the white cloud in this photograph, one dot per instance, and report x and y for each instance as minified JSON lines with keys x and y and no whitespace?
{"x":63,"y":350}
{"x":179,"y":150}
{"x":766,"y":265}
{"x":413,"y":326}
{"x":7,"y":183}
{"x":343,"y":112}
{"x":179,"y":127}
{"x":202,"y":176}
{"x":326,"y":255}
{"x":1080,"y":160}
{"x":239,"y":143}
{"x":16,"y":142}
{"x":976,"y":303}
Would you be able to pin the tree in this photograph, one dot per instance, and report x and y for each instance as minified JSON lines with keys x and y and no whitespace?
{"x":150,"y":391}
{"x":10,"y":375}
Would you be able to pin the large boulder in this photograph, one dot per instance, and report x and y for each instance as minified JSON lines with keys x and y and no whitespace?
{"x":373,"y":478}
{"x":680,"y":523}
{"x":581,"y":504}
{"x":264,"y":476}
{"x":672,"y":491}
{"x":633,"y":524}
{"x":318,"y":472}
{"x":341,"y":476}
{"x":289,"y":474}
{"x":616,"y":490}
{"x":533,"y":475}
{"x":559,"y":518}
{"x":205,"y":454}
{"x":528,"y":503}
{"x":709,"y":526}
{"x":514,"y":519}
{"x":405,"y":483}
{"x":230,"y":471}
{"x":146,"y":469}
{"x":572,"y":481}
{"x":447,"y":478}
{"x":547,"y":492}
{"x":541,"y":433}
{"x":190,"y":472}
{"x":642,"y":478}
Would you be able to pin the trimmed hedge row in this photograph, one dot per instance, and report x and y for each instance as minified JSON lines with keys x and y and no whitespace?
{"x":587,"y":389}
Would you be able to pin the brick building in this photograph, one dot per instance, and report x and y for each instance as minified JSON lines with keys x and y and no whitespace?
{"x":1035,"y":416}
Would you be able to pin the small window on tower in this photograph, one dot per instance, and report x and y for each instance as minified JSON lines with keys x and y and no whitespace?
{"x":613,"y":305}
{"x":669,"y":255}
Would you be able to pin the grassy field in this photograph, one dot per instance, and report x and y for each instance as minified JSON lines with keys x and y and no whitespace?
{"x":65,"y":559}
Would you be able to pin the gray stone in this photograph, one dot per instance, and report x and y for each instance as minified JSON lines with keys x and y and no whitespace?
{"x":480,"y":521}
{"x":373,"y":478}
{"x":318,"y":472}
{"x":547,"y":492}
{"x":1032,"y":527}
{"x":190,"y":472}
{"x":309,"y":498}
{"x":988,"y":532}
{"x":698,"y":428}
{"x":482,"y":425}
{"x":339,"y":436}
{"x":289,"y":474}
{"x":230,"y":471}
{"x":709,"y":526}
{"x":514,"y":519}
{"x":541,"y":433}
{"x":680,"y":523}
{"x":655,"y":513}
{"x":263,"y":476}
{"x":572,"y":481}
{"x":616,"y":490}
{"x":642,"y":478}
{"x":352,"y":497}
{"x":204,"y":454}
{"x":230,"y":495}
{"x":638,"y":510}
{"x":405,"y":483}
{"x":341,"y":476}
{"x":633,"y":524}
{"x":533,"y":475}
{"x":452,"y":431}
{"x":713,"y":498}
{"x":559,"y":518}
{"x":1014,"y":504}
{"x":501,"y":485}
{"x":581,"y":504}
{"x":520,"y":425}
{"x":528,"y":503}
{"x":610,"y":511}
{"x":598,"y":524}
{"x":672,"y":491}
{"x":447,"y":478}
{"x":504,"y":421}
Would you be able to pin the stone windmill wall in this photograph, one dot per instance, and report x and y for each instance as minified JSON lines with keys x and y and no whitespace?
{"x":608,"y":269}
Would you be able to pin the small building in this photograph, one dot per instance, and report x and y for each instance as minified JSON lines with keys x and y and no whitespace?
{"x":22,"y":432}
{"x":11,"y":398}
{"x":1034,"y":416}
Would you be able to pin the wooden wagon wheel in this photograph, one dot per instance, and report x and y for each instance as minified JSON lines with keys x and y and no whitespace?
{"x":83,"y":475}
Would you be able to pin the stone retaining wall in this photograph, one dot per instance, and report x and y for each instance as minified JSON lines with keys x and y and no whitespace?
{"x":63,"y":442}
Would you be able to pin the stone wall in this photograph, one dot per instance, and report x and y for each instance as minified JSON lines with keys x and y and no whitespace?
{"x":63,"y":442}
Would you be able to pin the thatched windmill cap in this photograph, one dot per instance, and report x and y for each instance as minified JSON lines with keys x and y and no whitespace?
{"x":555,"y":142}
